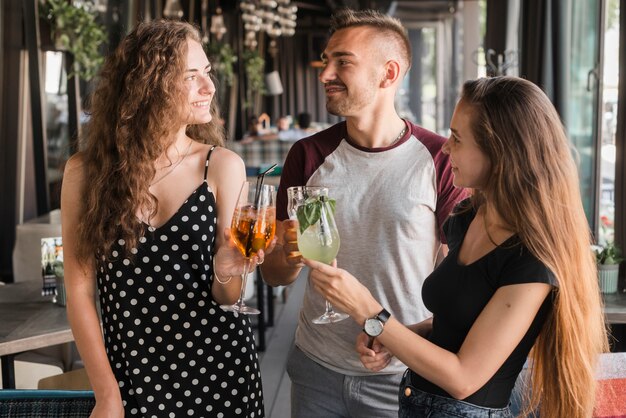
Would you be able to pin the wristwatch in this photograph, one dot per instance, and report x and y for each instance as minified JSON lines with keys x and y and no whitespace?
{"x":374,"y":326}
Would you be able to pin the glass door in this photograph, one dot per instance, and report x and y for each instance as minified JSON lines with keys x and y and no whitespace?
{"x":584,"y":89}
{"x":417,"y":98}
{"x":608,"y":125}
{"x":429,"y":91}
{"x":57,"y":122}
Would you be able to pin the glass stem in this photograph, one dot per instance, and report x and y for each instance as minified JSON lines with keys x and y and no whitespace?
{"x":329,"y":308}
{"x":244,"y":279}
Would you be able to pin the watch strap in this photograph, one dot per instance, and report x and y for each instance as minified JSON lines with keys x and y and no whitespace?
{"x":383,"y":316}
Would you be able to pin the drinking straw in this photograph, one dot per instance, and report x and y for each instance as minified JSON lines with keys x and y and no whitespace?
{"x":257,"y":202}
{"x":259,"y":183}
{"x":323,"y":219}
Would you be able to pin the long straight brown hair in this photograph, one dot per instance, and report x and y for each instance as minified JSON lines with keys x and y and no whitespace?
{"x":534,"y":186}
{"x":134,"y":112}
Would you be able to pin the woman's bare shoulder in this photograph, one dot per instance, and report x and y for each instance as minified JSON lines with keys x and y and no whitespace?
{"x":74,"y":168}
{"x":224,"y":158}
{"x":72,"y":190}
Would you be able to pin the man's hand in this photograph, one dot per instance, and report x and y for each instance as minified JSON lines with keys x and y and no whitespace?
{"x":375,"y":358}
{"x":290,"y":243}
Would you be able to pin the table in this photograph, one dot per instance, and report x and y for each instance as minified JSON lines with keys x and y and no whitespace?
{"x":261,"y":153}
{"x":29,"y":321}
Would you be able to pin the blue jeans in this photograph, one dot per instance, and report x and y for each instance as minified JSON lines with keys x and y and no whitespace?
{"x":415,"y":403}
{"x":317,"y":391}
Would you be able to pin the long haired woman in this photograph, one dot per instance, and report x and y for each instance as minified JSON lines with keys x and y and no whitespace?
{"x":519,"y":280}
{"x":142,"y":207}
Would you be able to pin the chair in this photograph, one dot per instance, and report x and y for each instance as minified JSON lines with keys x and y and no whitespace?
{"x":72,"y":380}
{"x":15,"y":403}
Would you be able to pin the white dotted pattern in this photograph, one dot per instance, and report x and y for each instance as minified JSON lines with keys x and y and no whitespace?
{"x":174,"y":352}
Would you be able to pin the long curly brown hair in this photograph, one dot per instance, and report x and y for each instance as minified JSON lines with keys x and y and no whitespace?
{"x":534,"y":186}
{"x":135,"y":109}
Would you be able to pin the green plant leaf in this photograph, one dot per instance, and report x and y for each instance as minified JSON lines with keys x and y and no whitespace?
{"x":309,"y":213}
{"x":78,"y":32}
{"x":224,"y":57}
{"x":254,"y":66}
{"x":331,"y":203}
{"x":608,"y":254}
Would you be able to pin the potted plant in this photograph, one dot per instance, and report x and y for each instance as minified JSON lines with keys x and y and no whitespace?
{"x":254,"y":66}
{"x":608,"y":258}
{"x":74,"y":29}
{"x":225,"y":58}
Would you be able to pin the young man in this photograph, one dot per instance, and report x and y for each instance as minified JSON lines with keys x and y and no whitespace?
{"x":393,"y":188}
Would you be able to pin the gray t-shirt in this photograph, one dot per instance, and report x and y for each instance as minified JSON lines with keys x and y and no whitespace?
{"x":391,"y":203}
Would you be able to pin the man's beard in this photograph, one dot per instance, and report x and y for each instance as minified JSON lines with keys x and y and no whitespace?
{"x":346,"y":105}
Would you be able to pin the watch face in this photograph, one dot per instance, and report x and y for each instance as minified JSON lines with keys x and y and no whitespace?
{"x":373,"y":327}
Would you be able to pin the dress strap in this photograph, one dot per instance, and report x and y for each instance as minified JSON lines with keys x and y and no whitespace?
{"x":206,"y":165}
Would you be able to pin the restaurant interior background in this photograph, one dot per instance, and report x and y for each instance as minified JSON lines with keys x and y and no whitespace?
{"x":573,"y":49}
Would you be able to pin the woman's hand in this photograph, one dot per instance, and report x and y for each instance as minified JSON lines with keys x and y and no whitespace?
{"x":375,"y":358}
{"x":108,"y":408}
{"x":343,"y":290}
{"x":102,"y":412}
{"x":229,"y":260}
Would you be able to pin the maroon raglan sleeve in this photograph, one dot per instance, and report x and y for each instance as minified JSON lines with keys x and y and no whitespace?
{"x":292,"y":175}
{"x":447,"y":194}
{"x":304,"y":157}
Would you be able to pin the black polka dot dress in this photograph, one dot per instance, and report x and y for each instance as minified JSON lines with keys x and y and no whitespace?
{"x":174,"y":352}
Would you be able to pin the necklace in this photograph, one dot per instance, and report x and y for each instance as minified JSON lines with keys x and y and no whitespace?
{"x":176,"y":164}
{"x":399,"y":137}
{"x":402,"y":132}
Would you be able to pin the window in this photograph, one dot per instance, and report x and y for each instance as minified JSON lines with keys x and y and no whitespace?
{"x":608,"y":124}
{"x":56,"y":117}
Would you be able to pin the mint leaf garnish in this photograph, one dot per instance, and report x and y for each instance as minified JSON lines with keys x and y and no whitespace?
{"x":331,"y":203}
{"x":309,"y":213}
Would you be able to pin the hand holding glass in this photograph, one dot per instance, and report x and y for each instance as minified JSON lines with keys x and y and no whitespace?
{"x":318,"y":237}
{"x":252,"y":229}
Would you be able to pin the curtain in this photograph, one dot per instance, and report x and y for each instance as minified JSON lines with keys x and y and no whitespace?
{"x":495,"y":35}
{"x":303,"y":92}
{"x":545,"y":48}
{"x":501,"y":43}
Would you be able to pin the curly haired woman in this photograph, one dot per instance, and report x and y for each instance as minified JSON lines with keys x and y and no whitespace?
{"x":519,"y":278}
{"x":142,"y":205}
